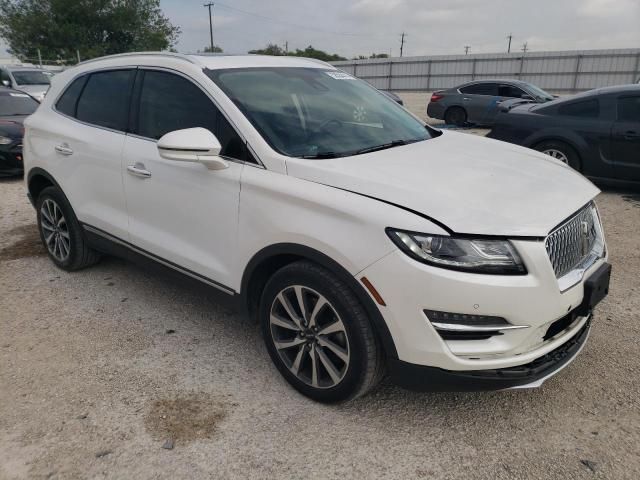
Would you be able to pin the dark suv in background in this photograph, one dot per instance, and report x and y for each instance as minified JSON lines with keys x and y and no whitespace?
{"x":477,"y":102}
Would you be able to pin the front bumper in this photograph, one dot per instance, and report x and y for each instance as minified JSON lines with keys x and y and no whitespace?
{"x":530,"y":375}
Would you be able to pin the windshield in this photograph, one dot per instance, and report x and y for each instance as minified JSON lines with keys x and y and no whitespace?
{"x":17,"y":104}
{"x":316,"y":113}
{"x":30,"y":77}
{"x":538,"y":92}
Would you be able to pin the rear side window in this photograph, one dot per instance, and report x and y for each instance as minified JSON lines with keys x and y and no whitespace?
{"x":510,"y":91}
{"x":481,"y":89}
{"x":69,"y":99}
{"x":170,"y":102}
{"x":584,"y":109}
{"x":629,"y":109}
{"x":105,"y":99}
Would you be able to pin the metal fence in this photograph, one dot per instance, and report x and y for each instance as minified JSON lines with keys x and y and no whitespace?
{"x":562,"y":71}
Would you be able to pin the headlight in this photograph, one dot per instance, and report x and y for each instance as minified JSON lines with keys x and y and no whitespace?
{"x":477,"y":255}
{"x":5,"y":140}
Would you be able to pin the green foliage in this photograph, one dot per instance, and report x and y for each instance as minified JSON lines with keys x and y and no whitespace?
{"x":309,"y":52}
{"x":215,"y":49}
{"x":93,"y":27}
{"x":379,"y":55}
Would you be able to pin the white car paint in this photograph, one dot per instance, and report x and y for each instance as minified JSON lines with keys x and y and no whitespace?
{"x":213,"y":222}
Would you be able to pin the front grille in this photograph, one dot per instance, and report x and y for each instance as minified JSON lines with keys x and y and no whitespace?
{"x":572,"y":244}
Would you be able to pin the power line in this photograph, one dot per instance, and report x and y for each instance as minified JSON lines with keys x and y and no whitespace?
{"x":209,"y":5}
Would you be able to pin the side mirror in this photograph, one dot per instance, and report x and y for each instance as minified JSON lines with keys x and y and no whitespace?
{"x":6,"y":83}
{"x":192,"y":145}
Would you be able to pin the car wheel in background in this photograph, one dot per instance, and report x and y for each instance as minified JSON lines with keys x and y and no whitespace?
{"x":61,"y":233}
{"x":318,"y":335}
{"x":560,"y":151}
{"x":455,"y":116}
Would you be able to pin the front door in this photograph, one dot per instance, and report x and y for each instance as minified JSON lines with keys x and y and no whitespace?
{"x":181,"y":213}
{"x":625,"y":139}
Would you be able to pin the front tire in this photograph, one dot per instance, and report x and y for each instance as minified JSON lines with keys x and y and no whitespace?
{"x":318,"y":335}
{"x":560,"y":151}
{"x":61,"y":233}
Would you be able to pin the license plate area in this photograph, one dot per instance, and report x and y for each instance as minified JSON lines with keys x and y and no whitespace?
{"x":596,"y":287}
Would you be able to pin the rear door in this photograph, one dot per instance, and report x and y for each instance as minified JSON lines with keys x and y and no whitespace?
{"x":83,"y":146}
{"x":480,"y":100}
{"x":625,"y":138}
{"x":181,"y":213}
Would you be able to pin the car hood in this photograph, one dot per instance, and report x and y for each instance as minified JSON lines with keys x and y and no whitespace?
{"x":12,"y":126}
{"x":472,"y":185}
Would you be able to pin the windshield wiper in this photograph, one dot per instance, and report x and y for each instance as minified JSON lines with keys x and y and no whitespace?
{"x":322,"y":155}
{"x":384,"y":146}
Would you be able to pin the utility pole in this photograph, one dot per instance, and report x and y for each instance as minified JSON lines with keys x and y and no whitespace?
{"x":39,"y":58}
{"x":209,"y":5}
{"x":525,"y":47}
{"x":78,"y":55}
{"x":402,"y":43}
{"x":286,"y":47}
{"x":466,"y":49}
{"x":510,"y":36}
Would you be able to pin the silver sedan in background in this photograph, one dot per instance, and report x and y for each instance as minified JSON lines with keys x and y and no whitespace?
{"x":477,"y":102}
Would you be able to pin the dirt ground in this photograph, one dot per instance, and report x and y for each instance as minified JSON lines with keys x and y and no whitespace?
{"x":118,"y":372}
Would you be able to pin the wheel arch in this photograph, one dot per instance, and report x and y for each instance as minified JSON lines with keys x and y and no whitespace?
{"x":270,"y":259}
{"x":37,"y":180}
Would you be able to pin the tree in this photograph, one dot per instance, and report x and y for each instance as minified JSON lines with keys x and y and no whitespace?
{"x":309,"y":52}
{"x":93,"y":27}
{"x":215,"y":49}
{"x":271,"y":49}
{"x":379,"y":55}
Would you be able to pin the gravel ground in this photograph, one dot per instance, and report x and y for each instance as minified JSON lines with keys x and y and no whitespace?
{"x":101,"y":369}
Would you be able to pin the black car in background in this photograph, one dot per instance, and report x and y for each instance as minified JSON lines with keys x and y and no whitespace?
{"x":477,"y":102}
{"x":15,"y":106}
{"x":596,"y":132}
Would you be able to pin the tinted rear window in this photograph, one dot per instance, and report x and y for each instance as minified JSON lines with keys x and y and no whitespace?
{"x":105,"y":99}
{"x":584,"y":109}
{"x":69,"y":99}
{"x":481,"y":89}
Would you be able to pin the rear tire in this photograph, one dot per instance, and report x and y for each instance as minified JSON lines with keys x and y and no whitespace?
{"x":300,"y":302}
{"x":560,"y":151}
{"x":61,"y":233}
{"x":455,"y":116}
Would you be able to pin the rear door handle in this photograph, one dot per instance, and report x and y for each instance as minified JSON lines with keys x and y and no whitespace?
{"x":138,"y":170}
{"x":631,"y":135}
{"x":466,"y":99}
{"x":63,"y":149}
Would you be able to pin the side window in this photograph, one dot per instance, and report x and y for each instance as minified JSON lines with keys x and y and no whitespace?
{"x":584,"y":109}
{"x":510,"y":91}
{"x":481,"y":89}
{"x":169,"y":102}
{"x":629,"y":109}
{"x":105,"y":99}
{"x":68,"y":102}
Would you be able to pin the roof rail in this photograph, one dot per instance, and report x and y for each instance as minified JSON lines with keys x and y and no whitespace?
{"x":131,"y":54}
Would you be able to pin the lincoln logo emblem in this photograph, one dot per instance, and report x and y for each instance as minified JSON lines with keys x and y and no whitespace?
{"x":584,"y":237}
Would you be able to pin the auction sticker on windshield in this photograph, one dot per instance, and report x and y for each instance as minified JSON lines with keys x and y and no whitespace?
{"x":340,"y":75}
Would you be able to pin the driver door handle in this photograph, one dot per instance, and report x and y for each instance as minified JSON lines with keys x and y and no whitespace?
{"x":138,"y":170}
{"x":63,"y":149}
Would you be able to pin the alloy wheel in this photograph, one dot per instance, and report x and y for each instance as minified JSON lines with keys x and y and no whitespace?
{"x":557,"y":154}
{"x":309,"y":336}
{"x":55,"y":230}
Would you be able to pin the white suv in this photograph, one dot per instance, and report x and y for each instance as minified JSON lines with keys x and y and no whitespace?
{"x":362,"y":240}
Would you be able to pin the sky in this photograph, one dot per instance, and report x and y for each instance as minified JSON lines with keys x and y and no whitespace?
{"x":432,"y":27}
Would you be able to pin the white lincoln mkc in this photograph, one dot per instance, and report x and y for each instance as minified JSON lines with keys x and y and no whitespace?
{"x":363,"y":241}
